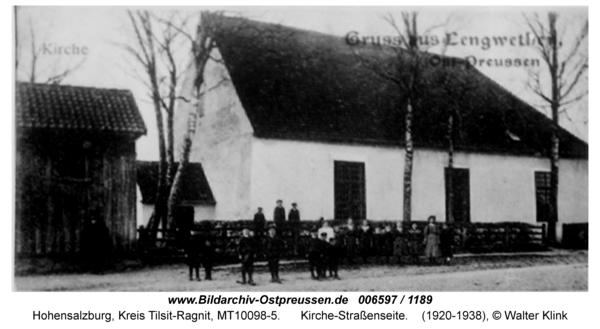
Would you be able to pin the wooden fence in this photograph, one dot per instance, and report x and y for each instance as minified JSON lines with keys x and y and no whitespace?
{"x":468,"y":238}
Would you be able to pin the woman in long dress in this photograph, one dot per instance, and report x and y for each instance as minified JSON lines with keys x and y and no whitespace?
{"x":432,"y":240}
{"x":365,"y":240}
{"x":351,"y":241}
{"x":399,"y":249}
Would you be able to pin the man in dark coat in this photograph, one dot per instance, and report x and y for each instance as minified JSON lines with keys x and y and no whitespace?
{"x":259,"y":222}
{"x":294,"y":223}
{"x":294,"y":215}
{"x":259,"y":228}
{"x":279,"y":216}
{"x":246,"y":252}
{"x":208,"y":258}
{"x":95,"y":246}
{"x":274,"y":248}
{"x":193,"y":255}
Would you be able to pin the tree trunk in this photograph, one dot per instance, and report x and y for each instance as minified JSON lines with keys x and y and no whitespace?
{"x":177,"y":181}
{"x":169,"y":174}
{"x":552,"y":221}
{"x":159,"y":214}
{"x":408,"y":164}
{"x":183,"y":164}
{"x":449,"y":186}
{"x":170,"y":149}
{"x":413,"y":48}
{"x":170,"y":114}
{"x":201,"y":50}
{"x":554,"y":155}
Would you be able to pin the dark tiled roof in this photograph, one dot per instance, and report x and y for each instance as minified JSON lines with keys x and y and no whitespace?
{"x":41,"y":106}
{"x":302,"y":85}
{"x":195,"y":188}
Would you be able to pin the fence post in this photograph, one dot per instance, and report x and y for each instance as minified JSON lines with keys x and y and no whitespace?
{"x":544,"y":237}
{"x":507,"y":232}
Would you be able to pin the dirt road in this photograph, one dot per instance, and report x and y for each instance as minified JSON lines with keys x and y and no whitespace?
{"x":564,"y":273}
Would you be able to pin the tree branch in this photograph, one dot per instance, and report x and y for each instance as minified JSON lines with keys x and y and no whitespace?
{"x":56,"y":79}
{"x":139,"y":38}
{"x":574,"y":99}
{"x":581,"y":69}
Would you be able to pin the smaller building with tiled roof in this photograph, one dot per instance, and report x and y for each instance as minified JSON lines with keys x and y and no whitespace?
{"x":74,"y":108}
{"x":75,"y":160}
{"x":195,"y":194}
{"x":194,"y":190}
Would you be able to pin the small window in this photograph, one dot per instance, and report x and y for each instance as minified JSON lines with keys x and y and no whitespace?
{"x":542,"y":195}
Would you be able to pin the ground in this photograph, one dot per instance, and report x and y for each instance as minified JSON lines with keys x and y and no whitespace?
{"x":552,"y":271}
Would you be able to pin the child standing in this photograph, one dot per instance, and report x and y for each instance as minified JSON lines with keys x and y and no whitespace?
{"x":208,"y":258}
{"x":314,"y":248}
{"x":414,"y":239}
{"x":246,"y":251}
{"x":333,"y":258}
{"x":274,"y":247}
{"x":193,"y":254}
{"x":323,"y":253}
{"x":388,"y":243}
{"x":399,"y":243}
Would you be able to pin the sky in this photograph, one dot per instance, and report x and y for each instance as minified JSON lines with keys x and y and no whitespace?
{"x":92,"y":38}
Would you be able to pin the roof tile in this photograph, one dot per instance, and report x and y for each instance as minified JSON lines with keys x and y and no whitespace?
{"x":195,"y":189}
{"x":77,"y":108}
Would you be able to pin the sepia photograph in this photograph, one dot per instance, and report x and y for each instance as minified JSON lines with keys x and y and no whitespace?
{"x":295,"y":149}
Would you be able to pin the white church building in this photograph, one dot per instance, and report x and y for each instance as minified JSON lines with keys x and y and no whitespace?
{"x":297,"y":115}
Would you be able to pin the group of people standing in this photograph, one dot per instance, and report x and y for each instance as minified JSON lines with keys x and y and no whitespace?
{"x":387,"y":242}
{"x":324,"y":253}
{"x":292,"y":224}
{"x":327,"y":246}
{"x":200,"y":250}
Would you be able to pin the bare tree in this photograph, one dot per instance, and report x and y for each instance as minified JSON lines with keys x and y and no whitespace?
{"x":160,"y":41}
{"x":202,"y":45}
{"x":406,"y":74}
{"x":157,"y":40}
{"x":567,"y":64}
